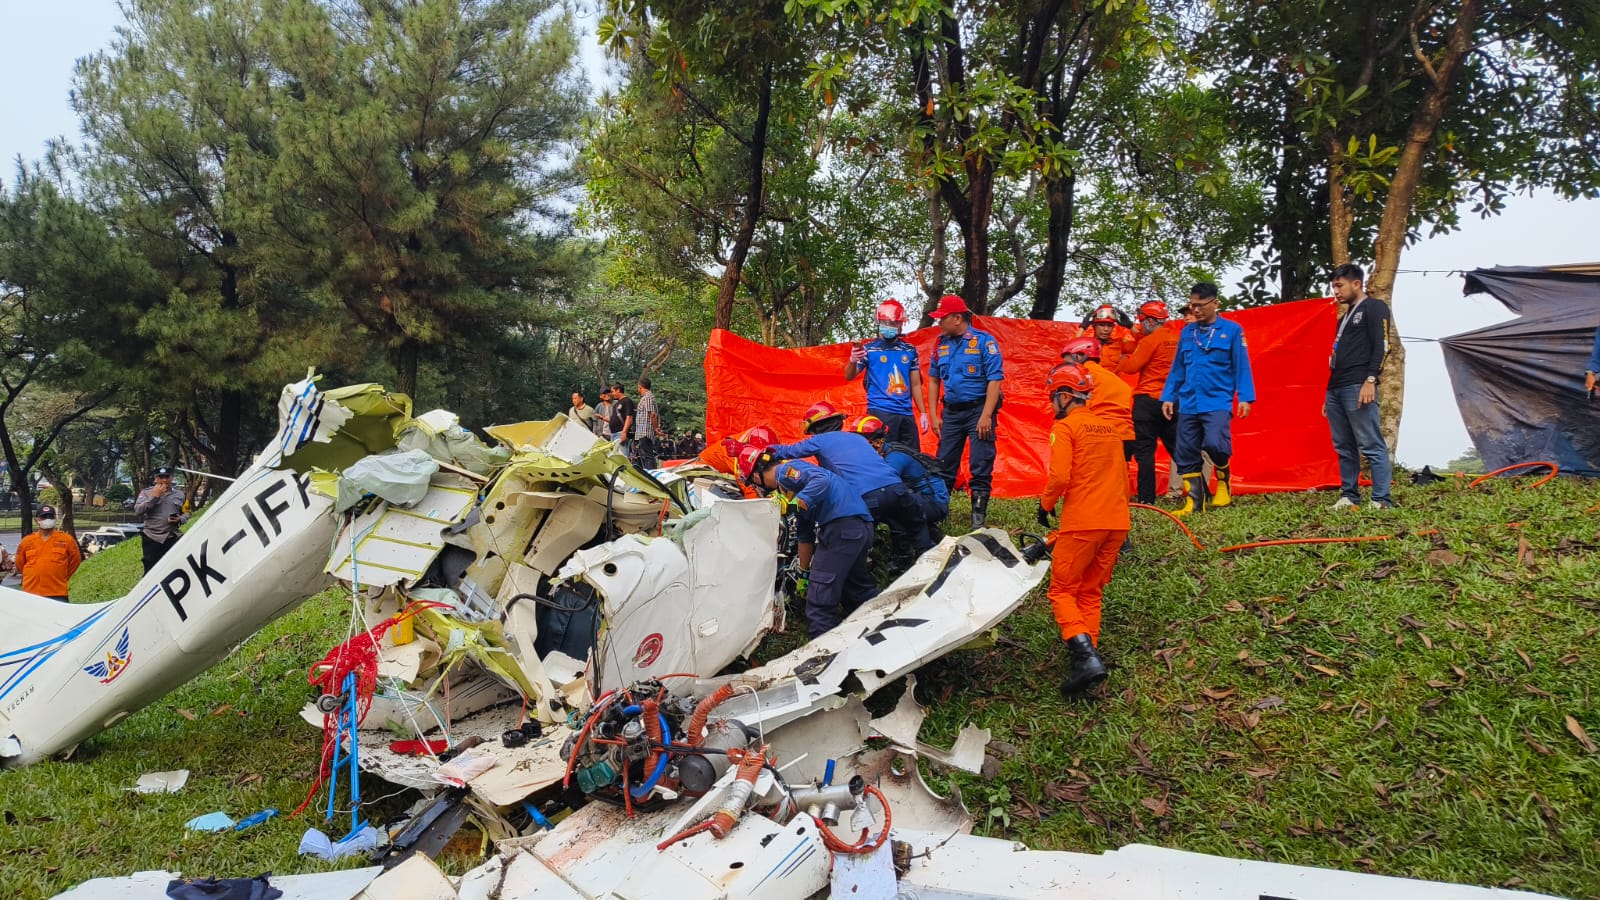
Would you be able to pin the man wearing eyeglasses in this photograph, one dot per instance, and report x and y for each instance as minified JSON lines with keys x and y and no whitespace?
{"x":1210,"y":371}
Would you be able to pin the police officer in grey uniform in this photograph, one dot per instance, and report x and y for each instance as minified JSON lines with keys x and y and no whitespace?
{"x":160,"y":507}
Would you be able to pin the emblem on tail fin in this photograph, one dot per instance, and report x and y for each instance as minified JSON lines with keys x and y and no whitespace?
{"x":115,"y":663}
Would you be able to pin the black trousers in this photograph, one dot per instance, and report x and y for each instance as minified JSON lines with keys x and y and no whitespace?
{"x":154,"y":550}
{"x":1149,"y":425}
{"x":902,"y":428}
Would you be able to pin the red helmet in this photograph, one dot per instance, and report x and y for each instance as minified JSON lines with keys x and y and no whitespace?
{"x":949,"y":305}
{"x":1085,"y":345}
{"x":753,"y":460}
{"x":820,"y":412}
{"x":1069,"y":377}
{"x":869,"y":426}
{"x":756,"y":436}
{"x":892,"y":312}
{"x":1105,"y":312}
{"x":1154,"y":309}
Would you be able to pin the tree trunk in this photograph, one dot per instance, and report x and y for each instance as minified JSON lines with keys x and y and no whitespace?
{"x":1402,"y":195}
{"x":64,"y":506}
{"x":728,"y":287}
{"x":975,"y":234}
{"x":1060,"y":194}
{"x":230,"y":424}
{"x":1341,"y":215}
{"x":405,"y":356}
{"x":19,"y":478}
{"x":938,"y":258}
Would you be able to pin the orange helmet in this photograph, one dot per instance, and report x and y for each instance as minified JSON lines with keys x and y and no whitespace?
{"x":1070,"y":377}
{"x":753,"y":460}
{"x":1084,"y":345}
{"x":892,"y":312}
{"x":869,"y":426}
{"x":1154,"y":309}
{"x":820,"y":412}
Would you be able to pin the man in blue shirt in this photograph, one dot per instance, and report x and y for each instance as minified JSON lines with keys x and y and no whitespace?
{"x":968,"y":368}
{"x":893,"y":375}
{"x":887,"y":499}
{"x":1210,"y":369}
{"x":835,"y":534}
{"x":932,"y":494}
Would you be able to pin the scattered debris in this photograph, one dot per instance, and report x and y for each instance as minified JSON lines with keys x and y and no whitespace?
{"x":211,"y":821}
{"x":161,"y":782}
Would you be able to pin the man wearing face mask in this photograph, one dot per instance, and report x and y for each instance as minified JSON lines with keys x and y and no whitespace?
{"x":893,"y":376}
{"x":47,"y":558}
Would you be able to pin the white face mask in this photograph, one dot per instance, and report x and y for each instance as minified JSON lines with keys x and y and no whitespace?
{"x":47,"y":524}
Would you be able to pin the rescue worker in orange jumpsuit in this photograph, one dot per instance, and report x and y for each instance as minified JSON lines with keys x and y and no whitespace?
{"x":723,"y":456}
{"x":1089,"y":479}
{"x":1112,"y":397}
{"x":1115,"y":332}
{"x":47,"y":558}
{"x":1151,"y":360}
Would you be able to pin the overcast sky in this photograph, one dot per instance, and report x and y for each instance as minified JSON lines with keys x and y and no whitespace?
{"x":43,"y":39}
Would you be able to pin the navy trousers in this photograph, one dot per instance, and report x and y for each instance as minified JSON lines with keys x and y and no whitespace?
{"x":961,"y":426}
{"x":902,"y":428}
{"x":1211,"y":432}
{"x":840,"y":580}
{"x":896,"y":506}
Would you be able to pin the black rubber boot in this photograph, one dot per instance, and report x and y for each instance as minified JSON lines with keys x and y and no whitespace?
{"x":1086,"y":668}
{"x":980,"y":510}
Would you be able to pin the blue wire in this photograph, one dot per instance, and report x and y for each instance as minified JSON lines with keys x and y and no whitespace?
{"x":643,"y":790}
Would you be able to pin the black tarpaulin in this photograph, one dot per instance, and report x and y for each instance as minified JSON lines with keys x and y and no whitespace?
{"x":1519,"y":384}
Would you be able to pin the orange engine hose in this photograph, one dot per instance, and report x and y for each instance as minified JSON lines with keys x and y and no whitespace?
{"x":832,"y":841}
{"x":649,"y":710}
{"x":1177,"y":521}
{"x":702,"y":711}
{"x":1326,"y":540}
{"x":1554,"y":471}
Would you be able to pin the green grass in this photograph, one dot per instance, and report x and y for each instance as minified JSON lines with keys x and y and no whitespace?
{"x":1434,"y":751}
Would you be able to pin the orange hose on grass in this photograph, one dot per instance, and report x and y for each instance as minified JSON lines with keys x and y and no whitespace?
{"x":1327,"y":540}
{"x":1554,"y":471}
{"x":1179,"y":522}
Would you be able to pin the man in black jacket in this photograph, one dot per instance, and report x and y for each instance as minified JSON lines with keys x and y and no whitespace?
{"x":1359,"y":345}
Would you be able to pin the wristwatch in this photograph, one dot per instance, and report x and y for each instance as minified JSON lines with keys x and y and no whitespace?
{"x":1371,"y":380}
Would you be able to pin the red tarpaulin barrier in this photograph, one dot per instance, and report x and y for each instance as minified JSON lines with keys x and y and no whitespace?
{"x":1283,"y":446}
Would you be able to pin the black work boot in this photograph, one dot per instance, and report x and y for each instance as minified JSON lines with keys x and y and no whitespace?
{"x":1086,"y":670}
{"x":980,"y":509}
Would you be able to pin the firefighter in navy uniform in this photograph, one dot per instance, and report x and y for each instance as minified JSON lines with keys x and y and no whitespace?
{"x":835,"y":532}
{"x":968,"y":369}
{"x":852,"y":458}
{"x":932,"y":494}
{"x":893,"y":375}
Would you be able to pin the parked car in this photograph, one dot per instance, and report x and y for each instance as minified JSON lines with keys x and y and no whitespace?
{"x":93,"y":542}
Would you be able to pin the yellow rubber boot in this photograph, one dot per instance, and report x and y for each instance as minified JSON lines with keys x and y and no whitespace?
{"x":1223,"y":495}
{"x":1194,"y":494}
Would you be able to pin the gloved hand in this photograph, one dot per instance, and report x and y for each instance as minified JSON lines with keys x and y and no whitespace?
{"x":922,"y":422}
{"x":802,"y":582}
{"x":1043,"y":516}
{"x":858,"y":354}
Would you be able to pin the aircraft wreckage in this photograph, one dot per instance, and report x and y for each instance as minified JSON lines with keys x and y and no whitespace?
{"x":545,"y":639}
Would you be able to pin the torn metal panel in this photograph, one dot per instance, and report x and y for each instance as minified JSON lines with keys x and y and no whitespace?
{"x":387,"y":545}
{"x":967,"y":867}
{"x":415,"y":879}
{"x":954,"y":592}
{"x":902,"y":725}
{"x":669,"y":609}
{"x":153,"y":885}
